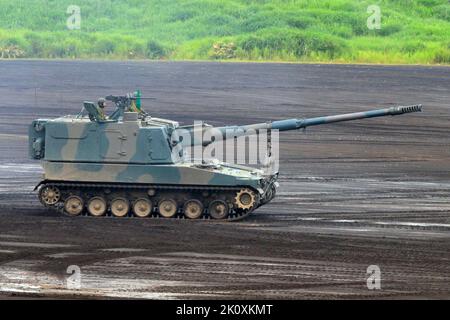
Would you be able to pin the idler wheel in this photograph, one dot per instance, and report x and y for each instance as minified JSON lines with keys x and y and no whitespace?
{"x":193,"y":209}
{"x":142,"y":208}
{"x":273,"y":192}
{"x":49,"y":195}
{"x":218,"y":209}
{"x":73,"y":205}
{"x":120,"y":207}
{"x":270,"y":194}
{"x":97,"y":206}
{"x":167,"y":208}
{"x":245,"y":199}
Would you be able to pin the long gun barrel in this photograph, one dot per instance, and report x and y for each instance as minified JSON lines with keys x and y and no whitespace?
{"x":292,"y":124}
{"x":208,"y":134}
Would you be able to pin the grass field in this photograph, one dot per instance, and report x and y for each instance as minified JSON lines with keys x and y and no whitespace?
{"x":412,"y":31}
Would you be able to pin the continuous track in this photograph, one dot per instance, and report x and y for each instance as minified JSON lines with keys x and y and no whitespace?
{"x":109,"y":197}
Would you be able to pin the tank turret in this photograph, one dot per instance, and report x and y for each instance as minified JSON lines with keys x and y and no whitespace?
{"x":132,"y":164}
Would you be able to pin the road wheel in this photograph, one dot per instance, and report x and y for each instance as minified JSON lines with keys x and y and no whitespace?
{"x":120,"y":207}
{"x":193,"y":209}
{"x":97,"y":206}
{"x":142,"y":208}
{"x":218,"y":209}
{"x":73,"y":205}
{"x":49,"y":195}
{"x":167,"y":208}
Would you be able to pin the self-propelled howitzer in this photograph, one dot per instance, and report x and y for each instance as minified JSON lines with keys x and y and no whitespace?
{"x":132,"y":164}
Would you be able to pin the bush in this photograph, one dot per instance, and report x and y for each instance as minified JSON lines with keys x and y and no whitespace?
{"x":342,"y":31}
{"x":442,"y":12}
{"x":72,"y":48}
{"x":57,"y":50}
{"x":182,"y":16}
{"x":299,"y":44}
{"x":223,"y":50}
{"x":104,"y":47}
{"x":36,"y":45}
{"x":11,"y":52}
{"x":256,"y":22}
{"x":389,"y":29}
{"x":442,"y":56}
{"x":136,"y":50}
{"x":301,"y":22}
{"x":154,"y":50}
{"x":429,"y":3}
{"x":328,"y":45}
{"x":412,"y":47}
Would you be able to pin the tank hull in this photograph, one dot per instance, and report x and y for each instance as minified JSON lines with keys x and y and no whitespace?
{"x":189,"y":190}
{"x":179,"y":174}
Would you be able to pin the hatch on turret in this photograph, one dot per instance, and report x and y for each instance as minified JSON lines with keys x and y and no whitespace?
{"x":113,"y":144}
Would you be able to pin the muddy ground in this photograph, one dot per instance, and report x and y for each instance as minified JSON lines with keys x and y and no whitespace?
{"x":369,"y":192}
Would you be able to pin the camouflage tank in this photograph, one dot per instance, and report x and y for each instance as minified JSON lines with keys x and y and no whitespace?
{"x":131,"y":164}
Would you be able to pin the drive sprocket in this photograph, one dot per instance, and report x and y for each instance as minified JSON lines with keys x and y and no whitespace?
{"x":245,"y":199}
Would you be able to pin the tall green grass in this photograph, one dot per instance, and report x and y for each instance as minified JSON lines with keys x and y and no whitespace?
{"x":412,"y":31}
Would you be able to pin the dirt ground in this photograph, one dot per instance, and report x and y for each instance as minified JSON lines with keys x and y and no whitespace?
{"x":355,"y":194}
